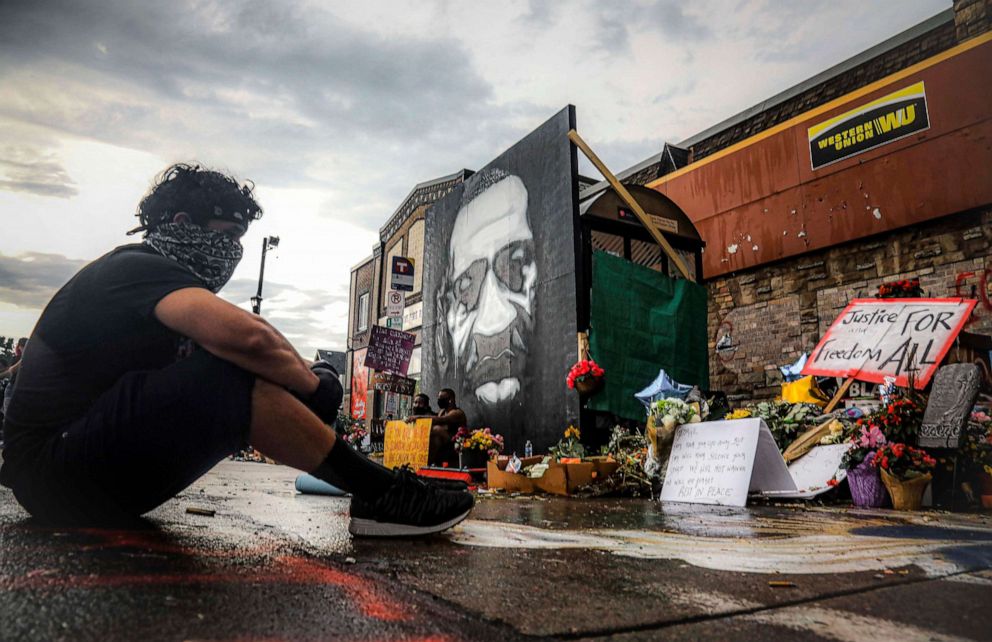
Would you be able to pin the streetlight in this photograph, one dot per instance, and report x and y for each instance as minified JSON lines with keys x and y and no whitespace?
{"x":256,"y":301}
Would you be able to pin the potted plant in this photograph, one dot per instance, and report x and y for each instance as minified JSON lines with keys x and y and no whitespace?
{"x":569,"y":446}
{"x":476,"y":447}
{"x":902,"y":289}
{"x":905,"y":472}
{"x":586,"y":377}
{"x":976,"y":451}
{"x":867,"y":490}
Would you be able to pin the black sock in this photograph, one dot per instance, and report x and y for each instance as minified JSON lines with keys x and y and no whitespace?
{"x":353,"y":472}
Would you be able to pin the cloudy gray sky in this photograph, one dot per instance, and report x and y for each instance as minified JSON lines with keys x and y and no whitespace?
{"x":336,"y":109}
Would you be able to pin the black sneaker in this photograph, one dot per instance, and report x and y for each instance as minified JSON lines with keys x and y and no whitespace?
{"x":410,"y":507}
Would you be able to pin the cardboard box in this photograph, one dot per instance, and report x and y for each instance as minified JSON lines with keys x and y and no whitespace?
{"x":559,"y":479}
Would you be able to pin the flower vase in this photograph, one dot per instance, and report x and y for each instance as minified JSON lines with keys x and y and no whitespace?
{"x":985,"y":485}
{"x":473,"y":458}
{"x":588,"y":385}
{"x":906,"y":494}
{"x":867,"y":490}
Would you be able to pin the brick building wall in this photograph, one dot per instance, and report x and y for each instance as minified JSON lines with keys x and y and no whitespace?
{"x":769,"y":316}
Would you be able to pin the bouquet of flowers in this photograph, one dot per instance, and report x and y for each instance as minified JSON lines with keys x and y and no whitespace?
{"x":867,"y":442}
{"x":672,"y":412}
{"x":902,"y":461}
{"x":356,"y":436}
{"x":976,"y":443}
{"x":569,"y":445}
{"x":898,"y":420}
{"x":479,"y":439}
{"x":904,"y":289}
{"x":584,"y":373}
{"x":785,"y":420}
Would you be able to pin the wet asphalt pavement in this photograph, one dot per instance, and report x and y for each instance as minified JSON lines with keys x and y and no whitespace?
{"x":275,"y":565}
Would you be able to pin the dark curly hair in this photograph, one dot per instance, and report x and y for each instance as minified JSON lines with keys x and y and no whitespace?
{"x":202,"y":193}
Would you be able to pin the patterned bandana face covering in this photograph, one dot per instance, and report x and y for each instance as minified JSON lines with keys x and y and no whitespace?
{"x":210,"y":255}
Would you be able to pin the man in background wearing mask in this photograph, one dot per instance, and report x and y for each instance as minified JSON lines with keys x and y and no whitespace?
{"x":106,"y":424}
{"x":443,"y":428}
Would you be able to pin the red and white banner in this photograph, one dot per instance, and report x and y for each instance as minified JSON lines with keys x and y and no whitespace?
{"x":877,"y":338}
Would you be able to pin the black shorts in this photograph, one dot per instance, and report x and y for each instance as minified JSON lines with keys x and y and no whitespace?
{"x":144,"y":440}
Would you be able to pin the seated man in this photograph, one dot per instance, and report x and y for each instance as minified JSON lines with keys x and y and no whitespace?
{"x":105,"y":423}
{"x":443,"y":428}
{"x":422,"y":406}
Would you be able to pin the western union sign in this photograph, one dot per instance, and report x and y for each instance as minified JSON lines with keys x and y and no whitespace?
{"x":879,"y":122}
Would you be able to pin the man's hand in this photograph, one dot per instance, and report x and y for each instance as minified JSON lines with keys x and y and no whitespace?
{"x":326,"y":399}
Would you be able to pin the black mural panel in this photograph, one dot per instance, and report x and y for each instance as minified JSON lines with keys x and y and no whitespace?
{"x":500,"y":290}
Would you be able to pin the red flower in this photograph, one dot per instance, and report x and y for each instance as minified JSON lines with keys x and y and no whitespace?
{"x":832,"y":482}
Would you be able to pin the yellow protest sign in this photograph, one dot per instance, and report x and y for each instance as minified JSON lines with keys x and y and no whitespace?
{"x":407,"y":443}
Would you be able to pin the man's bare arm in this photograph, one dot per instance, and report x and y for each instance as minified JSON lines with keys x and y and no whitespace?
{"x":246,"y":340}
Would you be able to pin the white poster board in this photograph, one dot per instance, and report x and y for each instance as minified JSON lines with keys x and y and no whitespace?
{"x":719,"y":462}
{"x":813,"y":471}
{"x":876,"y":338}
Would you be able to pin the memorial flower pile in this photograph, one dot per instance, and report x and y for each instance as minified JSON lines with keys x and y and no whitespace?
{"x":903,"y":289}
{"x":672,"y":412}
{"x":483,"y":439}
{"x":902,"y":461}
{"x":786,"y":421}
{"x":629,"y":448}
{"x":583,"y":370}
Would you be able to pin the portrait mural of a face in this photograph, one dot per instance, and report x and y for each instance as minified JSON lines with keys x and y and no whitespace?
{"x":498,"y":316}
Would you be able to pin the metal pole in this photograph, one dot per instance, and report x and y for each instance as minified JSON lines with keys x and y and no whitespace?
{"x":256,"y":301}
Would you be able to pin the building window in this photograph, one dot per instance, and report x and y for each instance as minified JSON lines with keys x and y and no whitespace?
{"x":363,"y":312}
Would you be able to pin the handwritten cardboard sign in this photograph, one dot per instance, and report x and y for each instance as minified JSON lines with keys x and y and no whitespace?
{"x":719,"y":462}
{"x":813,"y":471}
{"x":389,"y":350}
{"x":877,"y":338}
{"x":407,"y":443}
{"x":387,"y":382}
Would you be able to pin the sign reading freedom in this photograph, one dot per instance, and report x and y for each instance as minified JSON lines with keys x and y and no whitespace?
{"x":876,"y":338}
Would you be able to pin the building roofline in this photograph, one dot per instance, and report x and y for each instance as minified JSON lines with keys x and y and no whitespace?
{"x":363,"y":262}
{"x":917,"y":30}
{"x":418,"y":187}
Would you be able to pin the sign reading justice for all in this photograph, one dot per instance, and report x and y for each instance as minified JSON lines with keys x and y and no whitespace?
{"x":877,"y":338}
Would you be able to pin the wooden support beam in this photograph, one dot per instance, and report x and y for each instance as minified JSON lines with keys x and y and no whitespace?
{"x":633,"y":204}
{"x":840,"y":393}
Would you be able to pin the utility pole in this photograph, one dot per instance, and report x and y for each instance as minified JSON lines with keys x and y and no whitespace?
{"x":256,"y":301}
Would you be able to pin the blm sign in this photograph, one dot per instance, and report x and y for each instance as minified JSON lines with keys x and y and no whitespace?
{"x":877,"y":338}
{"x":881,"y":121}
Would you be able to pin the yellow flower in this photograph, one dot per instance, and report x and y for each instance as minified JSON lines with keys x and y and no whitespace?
{"x":572,"y":431}
{"x":740,"y":413}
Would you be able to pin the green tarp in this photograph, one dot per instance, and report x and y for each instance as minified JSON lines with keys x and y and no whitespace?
{"x":640,"y":322}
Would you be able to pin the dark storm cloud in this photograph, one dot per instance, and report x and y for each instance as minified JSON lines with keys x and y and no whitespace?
{"x":286,"y":83}
{"x":30,"y":280}
{"x":26,"y":169}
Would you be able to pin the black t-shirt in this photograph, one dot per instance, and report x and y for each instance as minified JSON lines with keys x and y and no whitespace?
{"x":98,"y":327}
